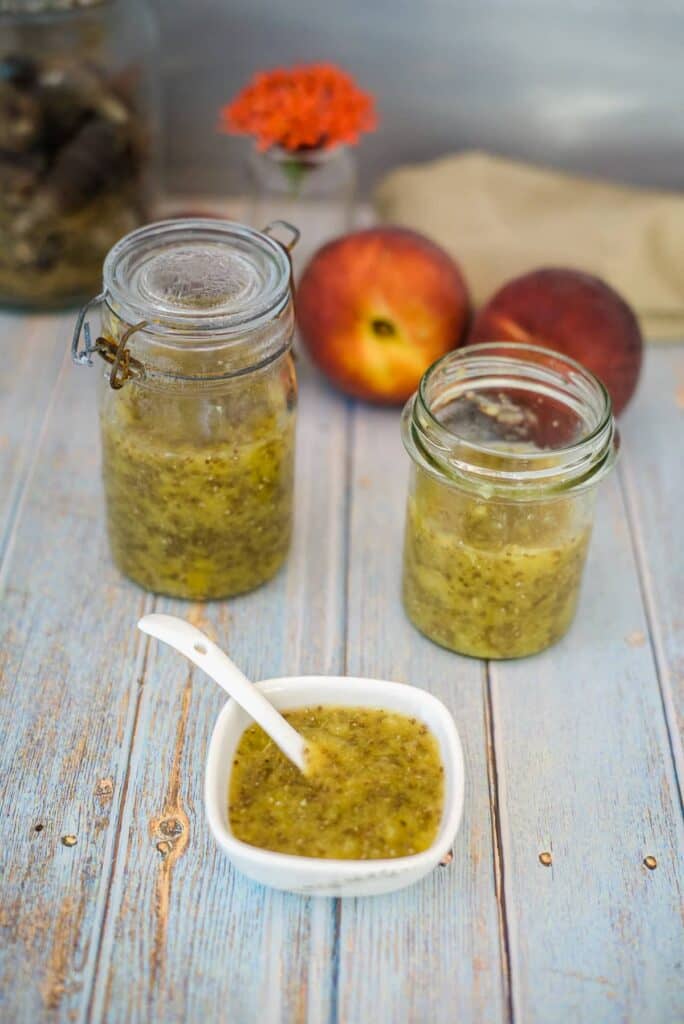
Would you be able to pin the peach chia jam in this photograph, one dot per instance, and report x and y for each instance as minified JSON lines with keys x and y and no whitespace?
{"x":489,"y":580}
{"x":377,"y":791}
{"x":508,"y":442}
{"x":193,"y":513}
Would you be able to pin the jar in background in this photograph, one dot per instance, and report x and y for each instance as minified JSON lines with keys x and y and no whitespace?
{"x":78,"y":119}
{"x":197,"y":406}
{"x":318,"y":184}
{"x":508,"y":442}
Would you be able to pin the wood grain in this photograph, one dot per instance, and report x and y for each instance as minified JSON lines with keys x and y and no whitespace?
{"x":434,"y":952}
{"x":652,"y":474}
{"x":186,"y":937}
{"x":69,"y":662}
{"x":585,"y":774}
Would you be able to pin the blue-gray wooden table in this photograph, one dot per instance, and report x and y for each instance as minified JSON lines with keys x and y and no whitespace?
{"x":117,"y":906}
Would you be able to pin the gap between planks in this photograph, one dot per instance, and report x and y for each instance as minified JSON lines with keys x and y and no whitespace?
{"x":497,"y":843}
{"x":350,"y":415}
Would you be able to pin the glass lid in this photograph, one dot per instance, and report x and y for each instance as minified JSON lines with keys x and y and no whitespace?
{"x":197,"y":275}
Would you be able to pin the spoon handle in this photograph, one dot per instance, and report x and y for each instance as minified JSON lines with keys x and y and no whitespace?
{"x":204,"y":653}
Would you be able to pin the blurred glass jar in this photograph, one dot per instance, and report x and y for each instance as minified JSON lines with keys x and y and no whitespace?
{"x":508,"y":443}
{"x":198,"y":400}
{"x":78,"y":123}
{"x":315,"y":186}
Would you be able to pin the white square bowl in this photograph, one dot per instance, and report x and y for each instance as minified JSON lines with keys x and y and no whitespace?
{"x":317,"y":876}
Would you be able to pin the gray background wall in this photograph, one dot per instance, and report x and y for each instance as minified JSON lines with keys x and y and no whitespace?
{"x":596,"y":87}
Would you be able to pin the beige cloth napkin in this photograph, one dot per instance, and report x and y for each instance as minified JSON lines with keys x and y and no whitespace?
{"x":499,"y":218}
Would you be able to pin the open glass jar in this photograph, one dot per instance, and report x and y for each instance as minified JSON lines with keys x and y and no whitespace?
{"x":197,"y":405}
{"x":508,"y":442}
{"x":78,"y":124}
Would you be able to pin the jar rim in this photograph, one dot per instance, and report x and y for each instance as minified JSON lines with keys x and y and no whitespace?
{"x":510,"y":347}
{"x":138,"y":287}
{"x":524,"y":472}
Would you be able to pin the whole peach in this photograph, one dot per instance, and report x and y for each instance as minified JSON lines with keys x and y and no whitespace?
{"x":377,"y":307}
{"x":574,"y":313}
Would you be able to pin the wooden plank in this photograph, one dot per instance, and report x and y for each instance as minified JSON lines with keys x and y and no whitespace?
{"x":652,"y":473}
{"x":433,"y":952}
{"x":32,"y":353}
{"x":69,"y":661}
{"x":585,"y":774}
{"x":185,"y":936}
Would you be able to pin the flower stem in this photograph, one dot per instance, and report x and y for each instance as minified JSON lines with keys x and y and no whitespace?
{"x":294,"y":171}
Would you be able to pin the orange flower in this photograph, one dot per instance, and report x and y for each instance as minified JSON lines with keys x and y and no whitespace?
{"x":313,"y":106}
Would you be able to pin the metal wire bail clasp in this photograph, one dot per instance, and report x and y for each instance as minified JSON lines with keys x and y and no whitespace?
{"x":82,"y":356}
{"x":293,"y":232}
{"x":124,"y":365}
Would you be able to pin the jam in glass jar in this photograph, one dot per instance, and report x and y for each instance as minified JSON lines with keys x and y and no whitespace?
{"x":197,"y":405}
{"x":507,"y":442}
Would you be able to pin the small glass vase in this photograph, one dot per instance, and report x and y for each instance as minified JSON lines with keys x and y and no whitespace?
{"x":314,"y":189}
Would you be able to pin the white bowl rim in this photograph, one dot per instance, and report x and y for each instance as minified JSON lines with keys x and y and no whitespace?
{"x":327,"y":869}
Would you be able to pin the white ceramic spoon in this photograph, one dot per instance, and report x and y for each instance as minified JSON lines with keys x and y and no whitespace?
{"x":204,"y":653}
